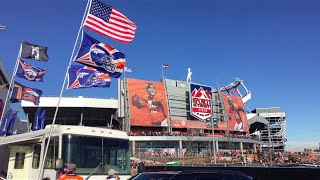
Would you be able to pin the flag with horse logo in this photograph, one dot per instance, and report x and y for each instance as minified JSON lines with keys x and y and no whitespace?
{"x":86,"y":77}
{"x":101,"y":56}
{"x":21,"y":92}
{"x":29,"y":72}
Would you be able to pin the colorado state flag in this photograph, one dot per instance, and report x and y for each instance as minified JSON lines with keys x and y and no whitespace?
{"x":102,"y":56}
{"x":86,"y":77}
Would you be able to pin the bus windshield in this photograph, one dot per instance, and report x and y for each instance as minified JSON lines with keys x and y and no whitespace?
{"x":96,"y":154}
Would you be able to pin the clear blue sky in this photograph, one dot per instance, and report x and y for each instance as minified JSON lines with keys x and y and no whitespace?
{"x":273,"y":45}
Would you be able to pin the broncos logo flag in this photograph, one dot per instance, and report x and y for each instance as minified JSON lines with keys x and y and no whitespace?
{"x":29,"y":72}
{"x":21,"y":92}
{"x":86,"y":77}
{"x":101,"y":56}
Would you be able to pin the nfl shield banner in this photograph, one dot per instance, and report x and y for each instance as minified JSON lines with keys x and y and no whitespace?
{"x":200,"y":101}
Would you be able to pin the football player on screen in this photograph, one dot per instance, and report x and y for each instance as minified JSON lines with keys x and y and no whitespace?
{"x":154,"y":103}
{"x":234,"y":113}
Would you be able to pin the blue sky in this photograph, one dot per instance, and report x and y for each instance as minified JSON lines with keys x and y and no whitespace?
{"x":272,"y":45}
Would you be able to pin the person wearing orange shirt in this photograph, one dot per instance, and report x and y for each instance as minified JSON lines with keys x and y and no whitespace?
{"x":70,"y":174}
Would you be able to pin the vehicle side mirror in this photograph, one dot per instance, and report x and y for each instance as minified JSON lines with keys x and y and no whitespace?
{"x":59,"y":163}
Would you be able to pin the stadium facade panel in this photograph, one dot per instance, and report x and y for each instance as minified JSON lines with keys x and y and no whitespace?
{"x":155,"y":113}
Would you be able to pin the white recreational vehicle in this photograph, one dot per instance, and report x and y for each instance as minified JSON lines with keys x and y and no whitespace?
{"x":94,"y":151}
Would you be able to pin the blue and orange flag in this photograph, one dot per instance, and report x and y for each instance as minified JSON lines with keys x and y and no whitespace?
{"x":29,"y":72}
{"x":21,"y":92}
{"x":86,"y":77}
{"x":101,"y":56}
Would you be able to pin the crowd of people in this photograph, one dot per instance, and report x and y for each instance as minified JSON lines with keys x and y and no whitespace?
{"x":249,"y":156}
{"x":183,"y":133}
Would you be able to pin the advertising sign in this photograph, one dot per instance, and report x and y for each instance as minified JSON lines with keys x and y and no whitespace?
{"x":188,"y":124}
{"x":148,"y":103}
{"x":236,"y":116}
{"x":200,"y":101}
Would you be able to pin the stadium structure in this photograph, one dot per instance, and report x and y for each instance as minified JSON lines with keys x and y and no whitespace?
{"x":164,"y":118}
{"x":168,"y":117}
{"x":275,"y":129}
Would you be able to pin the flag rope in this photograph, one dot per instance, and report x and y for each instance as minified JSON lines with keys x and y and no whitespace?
{"x":62,"y":88}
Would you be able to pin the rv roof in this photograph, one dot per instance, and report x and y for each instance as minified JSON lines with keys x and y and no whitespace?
{"x":36,"y":136}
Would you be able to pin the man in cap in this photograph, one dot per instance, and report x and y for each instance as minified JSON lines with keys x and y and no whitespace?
{"x":70,"y":174}
{"x":113,"y":175}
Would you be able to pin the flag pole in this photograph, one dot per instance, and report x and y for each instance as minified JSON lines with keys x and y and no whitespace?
{"x":124,"y":73}
{"x":162,"y":72}
{"x":9,"y":94}
{"x":64,"y":82}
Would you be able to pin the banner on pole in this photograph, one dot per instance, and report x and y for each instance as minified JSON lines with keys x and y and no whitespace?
{"x":5,"y":123}
{"x":11,"y":124}
{"x":101,"y":56}
{"x":32,"y":51}
{"x":21,"y":92}
{"x":29,"y":72}
{"x":86,"y":77}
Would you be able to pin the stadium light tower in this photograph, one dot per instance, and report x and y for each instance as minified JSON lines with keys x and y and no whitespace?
{"x":2,"y":27}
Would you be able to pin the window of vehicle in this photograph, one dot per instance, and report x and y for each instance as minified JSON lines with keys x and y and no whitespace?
{"x":19,"y":160}
{"x":96,"y":154}
{"x":52,"y":154}
{"x":36,"y":156}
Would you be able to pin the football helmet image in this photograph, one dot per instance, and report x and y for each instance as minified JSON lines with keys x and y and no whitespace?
{"x":93,"y":79}
{"x":103,"y":58}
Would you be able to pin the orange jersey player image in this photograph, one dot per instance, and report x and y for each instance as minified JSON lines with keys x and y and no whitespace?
{"x":148,"y":103}
{"x":235,"y":113}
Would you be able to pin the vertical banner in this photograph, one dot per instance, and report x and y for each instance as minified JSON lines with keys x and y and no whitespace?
{"x":235,"y":113}
{"x":5,"y":122}
{"x":42,"y":119}
{"x":36,"y":123}
{"x":148,"y":103}
{"x":200,"y":101}
{"x":1,"y":107}
{"x":11,"y":124}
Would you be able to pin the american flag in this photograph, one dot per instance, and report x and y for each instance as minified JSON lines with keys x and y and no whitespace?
{"x":109,"y":22}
